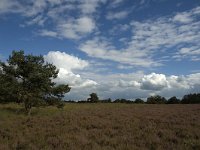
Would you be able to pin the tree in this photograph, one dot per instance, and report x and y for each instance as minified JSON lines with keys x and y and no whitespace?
{"x":139,"y":101}
{"x":173,"y":100}
{"x":123,"y":101}
{"x":93,"y":98}
{"x":191,"y":99}
{"x":30,"y":80}
{"x":156,"y":100}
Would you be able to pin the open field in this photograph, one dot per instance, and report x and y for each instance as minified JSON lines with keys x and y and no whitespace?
{"x":101,"y":126}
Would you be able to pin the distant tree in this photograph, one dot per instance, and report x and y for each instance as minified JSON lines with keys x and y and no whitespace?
{"x":106,"y":100}
{"x":156,"y":100}
{"x":191,"y":99}
{"x":93,"y":98}
{"x":28,"y":79}
{"x":173,"y":100}
{"x":123,"y":101}
{"x":139,"y":101}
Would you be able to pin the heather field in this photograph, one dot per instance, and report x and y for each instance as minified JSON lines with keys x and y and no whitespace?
{"x":101,"y":126}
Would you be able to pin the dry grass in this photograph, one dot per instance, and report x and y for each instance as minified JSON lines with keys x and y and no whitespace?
{"x":101,"y":126}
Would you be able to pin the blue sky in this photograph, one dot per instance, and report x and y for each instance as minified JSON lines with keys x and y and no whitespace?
{"x":117,"y":48}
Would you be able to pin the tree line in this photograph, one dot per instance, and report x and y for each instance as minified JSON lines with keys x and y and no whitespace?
{"x":157,"y":99}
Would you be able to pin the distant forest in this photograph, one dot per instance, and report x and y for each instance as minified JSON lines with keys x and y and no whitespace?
{"x":157,"y":99}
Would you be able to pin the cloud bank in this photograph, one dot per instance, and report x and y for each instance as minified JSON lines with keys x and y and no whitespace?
{"x":114,"y":85}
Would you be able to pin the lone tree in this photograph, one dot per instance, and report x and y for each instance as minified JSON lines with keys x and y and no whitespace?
{"x":93,"y":98}
{"x":28,"y":80}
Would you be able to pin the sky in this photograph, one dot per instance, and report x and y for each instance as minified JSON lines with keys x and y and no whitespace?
{"x":115,"y":48}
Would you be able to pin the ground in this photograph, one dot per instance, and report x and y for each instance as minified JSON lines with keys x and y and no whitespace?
{"x":101,"y":126}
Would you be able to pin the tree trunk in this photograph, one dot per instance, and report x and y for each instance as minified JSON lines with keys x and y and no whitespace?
{"x":29,"y":112}
{"x":28,"y":108}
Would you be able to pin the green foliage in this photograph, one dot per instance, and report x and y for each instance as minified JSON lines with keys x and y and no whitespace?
{"x":173,"y":100}
{"x":191,"y":99}
{"x":156,"y":100}
{"x":7,"y":91}
{"x":60,"y":105}
{"x":93,"y":98}
{"x":29,"y":80}
{"x":123,"y":101}
{"x":139,"y":101}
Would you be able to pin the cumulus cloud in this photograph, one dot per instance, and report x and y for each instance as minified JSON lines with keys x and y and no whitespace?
{"x":154,"y":82}
{"x":64,"y":60}
{"x":67,"y":64}
{"x":159,"y":82}
{"x":140,"y":85}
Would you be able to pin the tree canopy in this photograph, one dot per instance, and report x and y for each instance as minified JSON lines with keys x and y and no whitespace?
{"x":157,"y":99}
{"x":28,"y":79}
{"x":93,"y":98}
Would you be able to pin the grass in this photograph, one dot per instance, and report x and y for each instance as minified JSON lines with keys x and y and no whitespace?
{"x":101,"y":126}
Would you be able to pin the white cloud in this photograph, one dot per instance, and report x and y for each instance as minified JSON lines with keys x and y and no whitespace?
{"x":150,"y":41}
{"x":66,"y":61}
{"x":119,"y":28}
{"x":154,"y":82}
{"x":9,"y":6}
{"x":71,"y":29}
{"x":140,"y":85}
{"x":37,"y":20}
{"x":117,"y":15}
{"x":161,"y":82}
{"x":76,"y":28}
{"x":48,"y":33}
{"x":183,"y":18}
{"x":67,"y":64}
{"x":57,"y":14}
{"x":55,"y":2}
{"x":116,"y":3}
{"x":90,"y":6}
{"x":104,"y":50}
{"x":162,"y":34}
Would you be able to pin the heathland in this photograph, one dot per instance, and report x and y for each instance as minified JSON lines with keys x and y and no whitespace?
{"x":101,"y":126}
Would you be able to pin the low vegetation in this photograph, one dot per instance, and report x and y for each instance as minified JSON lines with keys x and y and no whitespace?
{"x":101,"y":126}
